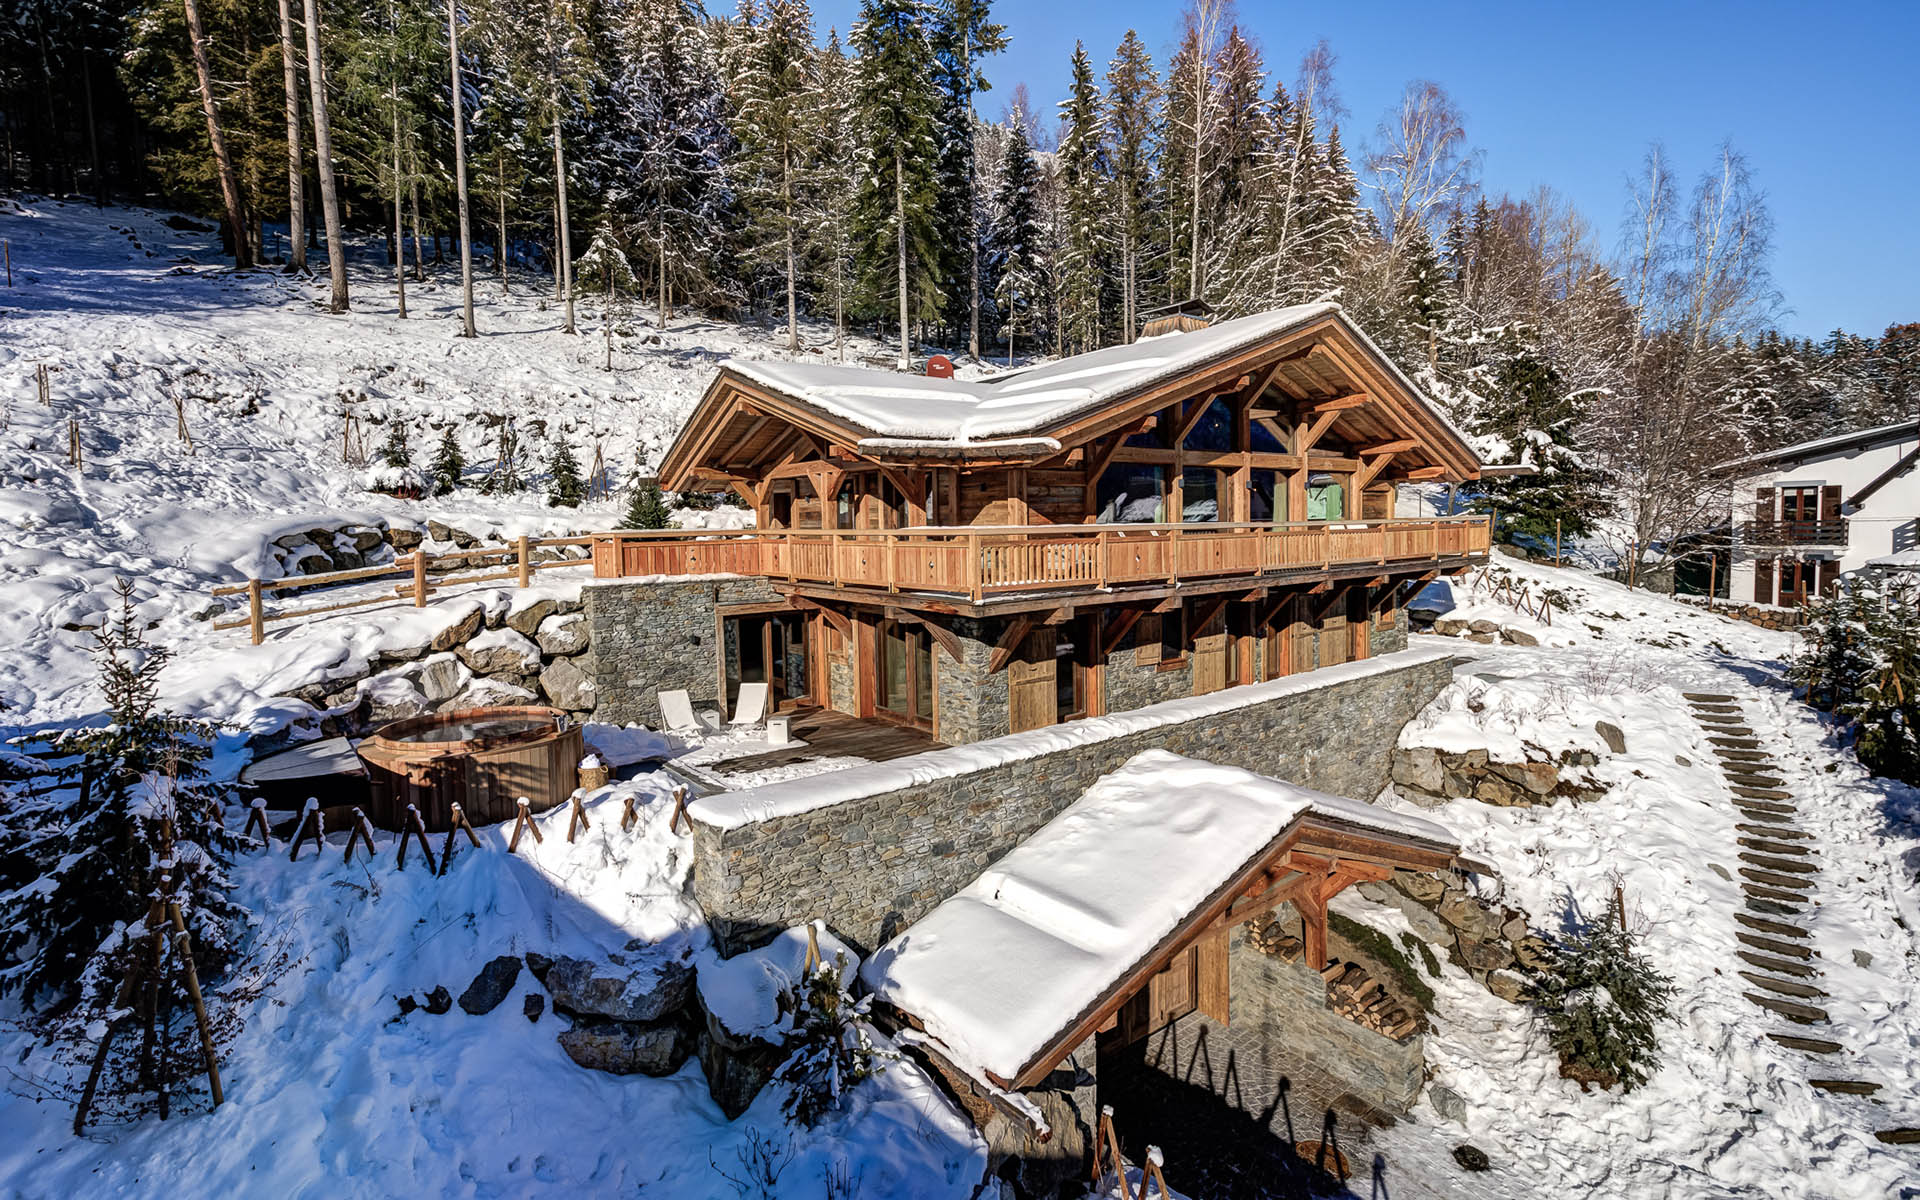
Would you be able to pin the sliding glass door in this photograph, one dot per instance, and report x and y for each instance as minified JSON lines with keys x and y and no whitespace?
{"x":904,"y":687}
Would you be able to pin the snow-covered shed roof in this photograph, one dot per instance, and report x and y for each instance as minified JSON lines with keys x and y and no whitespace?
{"x":1000,"y":974}
{"x":1020,"y":411}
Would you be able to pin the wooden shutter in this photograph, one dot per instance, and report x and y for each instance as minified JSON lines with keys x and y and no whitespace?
{"x":1210,"y":655}
{"x":1765,"y":505}
{"x":1301,"y":631}
{"x":1146,"y":641}
{"x":1763,"y":581}
{"x":1210,"y":970}
{"x":1361,"y":644}
{"x":1033,"y":701}
{"x":1830,"y":502}
{"x":1335,"y":640}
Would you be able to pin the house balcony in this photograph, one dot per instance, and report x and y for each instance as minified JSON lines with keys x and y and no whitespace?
{"x":1794,"y":533}
{"x":972,"y":566}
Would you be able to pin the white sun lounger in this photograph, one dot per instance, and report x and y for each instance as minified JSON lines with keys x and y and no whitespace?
{"x":676,"y":710}
{"x":751,"y":707}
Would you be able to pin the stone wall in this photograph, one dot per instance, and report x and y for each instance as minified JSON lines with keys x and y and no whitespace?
{"x":878,"y":860}
{"x":970,"y":704}
{"x":651,"y":636}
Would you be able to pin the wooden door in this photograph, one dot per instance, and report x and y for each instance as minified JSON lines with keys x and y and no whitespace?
{"x":1335,"y":639}
{"x":1301,"y":631}
{"x":1033,"y":700}
{"x":1211,"y":655}
{"x":903,"y":676}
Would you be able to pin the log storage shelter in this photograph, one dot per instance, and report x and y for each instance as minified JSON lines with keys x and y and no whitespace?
{"x":483,"y":759}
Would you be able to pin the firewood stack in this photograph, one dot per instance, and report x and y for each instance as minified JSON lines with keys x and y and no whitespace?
{"x":1362,"y":999}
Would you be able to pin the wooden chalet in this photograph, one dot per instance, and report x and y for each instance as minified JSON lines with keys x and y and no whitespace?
{"x":1207,"y":507}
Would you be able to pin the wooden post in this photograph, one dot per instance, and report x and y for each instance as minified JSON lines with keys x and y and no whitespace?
{"x":1713,"y":578}
{"x":1556,"y":541}
{"x":411,"y":826}
{"x":525,"y":552}
{"x":74,"y":458}
{"x":1108,"y":1135}
{"x":523,"y":821}
{"x":1152,"y":1171}
{"x":6,"y":244}
{"x":257,"y":815}
{"x":973,"y":565}
{"x":679,"y":810}
{"x":577,"y":819}
{"x":362,"y":832}
{"x":44,"y":383}
{"x":256,"y":619}
{"x":419,"y":577}
{"x":628,"y":812}
{"x":183,"y":947}
{"x":457,"y":825}
{"x":309,"y":816}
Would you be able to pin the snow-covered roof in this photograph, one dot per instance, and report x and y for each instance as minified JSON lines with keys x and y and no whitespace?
{"x":996,"y":973}
{"x":1015,"y":403}
{"x":1834,"y":444}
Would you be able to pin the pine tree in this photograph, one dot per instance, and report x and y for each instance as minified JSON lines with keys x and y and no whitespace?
{"x":1022,"y":285}
{"x":565,"y":487}
{"x":1603,"y":1001}
{"x":448,"y":464}
{"x":966,"y":34}
{"x":394,"y":452}
{"x":1133,"y":97}
{"x":897,"y":101}
{"x":1531,"y":413}
{"x":1086,"y":208}
{"x":604,"y":269}
{"x":831,"y":190}
{"x":647,"y":508}
{"x":778,"y":132}
{"x":79,"y":860}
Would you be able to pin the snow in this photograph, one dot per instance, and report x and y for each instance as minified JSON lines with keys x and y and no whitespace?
{"x":730,"y":810}
{"x":744,"y":992}
{"x":997,"y":971}
{"x":1013,"y":404}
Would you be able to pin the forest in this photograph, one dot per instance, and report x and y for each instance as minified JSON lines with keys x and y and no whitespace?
{"x":649,"y":156}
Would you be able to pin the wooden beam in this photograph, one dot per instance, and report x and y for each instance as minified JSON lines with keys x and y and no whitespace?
{"x":1370,"y":470}
{"x":1307,"y":436}
{"x":1326,"y":606}
{"x":1397,"y":446}
{"x":1419,"y":474}
{"x":1059,"y":616}
{"x":1258,"y":387}
{"x":949,"y":641}
{"x":1196,"y":408}
{"x":1009,"y":643}
{"x":842,"y":623}
{"x":1118,"y":629}
{"x":1205,"y":611}
{"x":1340,"y":403}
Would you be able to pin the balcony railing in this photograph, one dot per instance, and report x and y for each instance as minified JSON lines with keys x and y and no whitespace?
{"x":1794,"y":533}
{"x":977,"y":562}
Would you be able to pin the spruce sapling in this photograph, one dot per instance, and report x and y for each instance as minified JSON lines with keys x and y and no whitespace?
{"x":565,"y":487}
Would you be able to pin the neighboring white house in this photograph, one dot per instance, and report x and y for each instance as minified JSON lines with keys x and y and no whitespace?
{"x":1805,"y":515}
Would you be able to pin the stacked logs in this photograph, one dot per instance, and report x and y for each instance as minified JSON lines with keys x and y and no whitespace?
{"x":1356,"y":995}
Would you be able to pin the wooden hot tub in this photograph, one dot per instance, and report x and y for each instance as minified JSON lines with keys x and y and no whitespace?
{"x":483,"y":759}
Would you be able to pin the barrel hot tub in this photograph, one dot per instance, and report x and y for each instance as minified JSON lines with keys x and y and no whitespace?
{"x":483,"y":759}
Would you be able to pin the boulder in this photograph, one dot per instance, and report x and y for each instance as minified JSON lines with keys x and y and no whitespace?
{"x":563,"y":634}
{"x":438,"y":678}
{"x":462,"y":629}
{"x":393,"y":698}
{"x":1483,"y":626}
{"x":403,"y":538}
{"x":1449,"y":626}
{"x":627,"y":1047}
{"x":1494,"y":790}
{"x":538,"y":964}
{"x":491,"y":985}
{"x":439,"y":531}
{"x":1419,"y":767}
{"x":1470,"y":917}
{"x":655,"y":988}
{"x":1518,"y":637}
{"x":1540,"y":778}
{"x":500,"y":651}
{"x":1426,"y":925}
{"x":1515,"y":928}
{"x":1448,"y":1103}
{"x":1471,"y":1158}
{"x":363,"y":537}
{"x":1484,"y":956}
{"x":526,"y":621}
{"x":485,"y":692}
{"x":1510,"y":986}
{"x":1532,"y":952}
{"x":567,"y":686}
{"x":736,"y":1067}
{"x":439,"y":1001}
{"x":533,"y":1006}
{"x":1485,"y":639}
{"x":1612,"y":735}
{"x":1427,"y":889}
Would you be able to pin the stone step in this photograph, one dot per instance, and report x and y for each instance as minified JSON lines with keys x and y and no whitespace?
{"x":1774,"y":831}
{"x":1775,"y":928}
{"x":1718,"y":714}
{"x":1794,"y":1041}
{"x":1784,"y":987}
{"x":1791,"y":866}
{"x":1761,"y":845}
{"x":1898,"y":1137}
{"x":1799,"y":1014}
{"x":1773,"y":879}
{"x":1763,"y":817}
{"x":1754,"y":779}
{"x":1778,"y":904}
{"x":1707,"y":697}
{"x":1766,"y":962}
{"x":1752,"y":759}
{"x":1762,"y":804}
{"x":1773,"y":945}
{"x":1846,"y":1087}
{"x":1733,"y":741}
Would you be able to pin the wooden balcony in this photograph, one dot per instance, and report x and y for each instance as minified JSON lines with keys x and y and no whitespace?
{"x":976,"y":564}
{"x":1794,"y":533}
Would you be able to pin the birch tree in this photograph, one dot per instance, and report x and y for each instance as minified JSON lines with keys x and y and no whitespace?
{"x":460,"y":171}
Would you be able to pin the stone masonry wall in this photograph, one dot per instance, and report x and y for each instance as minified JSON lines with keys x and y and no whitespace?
{"x":873,"y":864}
{"x":970,"y":703}
{"x":654,"y":636}
{"x":1282,"y":1029}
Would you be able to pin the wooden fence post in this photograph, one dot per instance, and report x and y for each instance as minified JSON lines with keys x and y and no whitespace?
{"x":577,"y":819}
{"x":44,"y":384}
{"x":523,"y":821}
{"x":257,"y":815}
{"x":6,"y":244}
{"x":256,"y":619}
{"x":419,"y":577}
{"x":525,"y":549}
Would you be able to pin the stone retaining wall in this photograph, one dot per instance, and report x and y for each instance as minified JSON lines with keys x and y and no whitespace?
{"x":874,"y":863}
{"x":657,"y":635}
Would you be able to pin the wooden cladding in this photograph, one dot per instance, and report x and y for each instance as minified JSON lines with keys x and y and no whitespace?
{"x":977,"y":562}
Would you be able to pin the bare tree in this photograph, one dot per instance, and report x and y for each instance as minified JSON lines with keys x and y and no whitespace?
{"x":1204,"y":21}
{"x":460,"y":173}
{"x":399,"y":205}
{"x":229,"y":182}
{"x":296,"y":175}
{"x":323,"y":158}
{"x":1421,"y":164}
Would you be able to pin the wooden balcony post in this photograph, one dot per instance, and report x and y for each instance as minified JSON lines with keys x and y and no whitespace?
{"x":973,"y":565}
{"x":524,"y":551}
{"x":892,"y":546}
{"x":419,"y":577}
{"x":1173,"y":556}
{"x":1100,"y":559}
{"x":256,"y":620}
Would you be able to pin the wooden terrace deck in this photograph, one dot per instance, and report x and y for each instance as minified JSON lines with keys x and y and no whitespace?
{"x":830,"y":734}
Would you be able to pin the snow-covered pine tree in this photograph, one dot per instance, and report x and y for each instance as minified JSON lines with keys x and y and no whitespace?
{"x":1022,"y":283}
{"x":896,"y":89}
{"x":1086,"y":209}
{"x":565,"y":487}
{"x":1603,"y":1002}
{"x":647,"y":508}
{"x":78,"y":861}
{"x":1531,"y":413}
{"x":395,"y":452}
{"x":966,"y":33}
{"x":1133,"y":100}
{"x":603,"y":270}
{"x":448,"y":463}
{"x":1240,"y":137}
{"x":830,"y":192}
{"x":1335,"y":224}
{"x":777,"y":128}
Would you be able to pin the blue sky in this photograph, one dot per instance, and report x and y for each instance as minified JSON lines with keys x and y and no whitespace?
{"x":1823,"y":100}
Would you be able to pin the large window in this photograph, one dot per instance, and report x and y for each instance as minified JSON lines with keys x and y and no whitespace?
{"x":1132,"y":493}
{"x":1214,"y":431}
{"x":1265,"y":499}
{"x":1199,"y":494}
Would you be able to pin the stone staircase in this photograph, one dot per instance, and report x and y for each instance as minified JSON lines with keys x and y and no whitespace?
{"x":1778,"y":873}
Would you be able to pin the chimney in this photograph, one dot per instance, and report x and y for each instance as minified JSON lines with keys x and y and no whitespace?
{"x":939,"y":366}
{"x":1176,"y":318}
